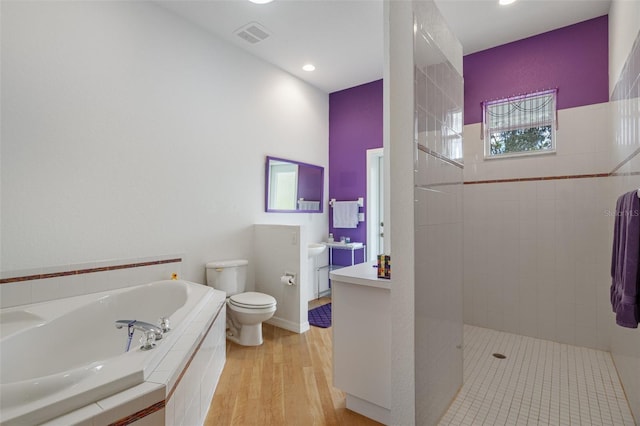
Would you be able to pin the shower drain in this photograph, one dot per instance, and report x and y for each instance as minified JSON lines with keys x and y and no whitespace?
{"x":499,"y":356}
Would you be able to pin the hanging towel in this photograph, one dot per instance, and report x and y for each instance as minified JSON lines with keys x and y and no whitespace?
{"x":309,"y":205}
{"x":625,"y":287}
{"x":345,"y":214}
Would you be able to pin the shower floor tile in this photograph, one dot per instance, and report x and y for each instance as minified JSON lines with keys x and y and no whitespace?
{"x":538,"y":383}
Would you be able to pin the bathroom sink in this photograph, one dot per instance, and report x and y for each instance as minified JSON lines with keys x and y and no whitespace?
{"x":315,"y":249}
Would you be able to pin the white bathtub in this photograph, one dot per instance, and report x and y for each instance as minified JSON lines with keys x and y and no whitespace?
{"x":61,"y":355}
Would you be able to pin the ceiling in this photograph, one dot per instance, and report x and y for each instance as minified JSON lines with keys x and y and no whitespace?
{"x":344,"y":38}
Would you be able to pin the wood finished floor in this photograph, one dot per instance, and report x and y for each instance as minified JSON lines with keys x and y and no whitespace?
{"x":288,"y":380}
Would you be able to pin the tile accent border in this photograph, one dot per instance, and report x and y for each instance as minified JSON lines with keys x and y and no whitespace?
{"x":86,"y":271}
{"x":140,"y":414}
{"x":538,"y":178}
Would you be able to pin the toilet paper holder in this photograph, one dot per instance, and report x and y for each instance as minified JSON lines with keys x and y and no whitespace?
{"x":289,"y":278}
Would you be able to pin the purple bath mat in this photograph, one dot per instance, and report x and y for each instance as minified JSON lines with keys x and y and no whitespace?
{"x":321,"y":316}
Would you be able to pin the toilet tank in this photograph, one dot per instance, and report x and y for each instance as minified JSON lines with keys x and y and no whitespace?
{"x":229,"y":276}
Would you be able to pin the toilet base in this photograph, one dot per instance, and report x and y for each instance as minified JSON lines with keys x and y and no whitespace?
{"x":247,"y":335}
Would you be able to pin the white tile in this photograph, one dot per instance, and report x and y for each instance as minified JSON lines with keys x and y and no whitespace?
{"x":179,"y":404}
{"x":546,"y":190}
{"x":72,"y":285}
{"x":154,"y":419}
{"x":45,"y":289}
{"x":129,"y":401}
{"x":169,"y":409}
{"x":15,"y":294}
{"x":80,"y":417}
{"x":540,"y":382}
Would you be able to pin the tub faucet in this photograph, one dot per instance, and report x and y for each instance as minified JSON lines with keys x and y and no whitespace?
{"x":140,"y":325}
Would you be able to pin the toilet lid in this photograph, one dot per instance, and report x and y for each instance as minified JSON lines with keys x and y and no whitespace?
{"x":252,"y":299}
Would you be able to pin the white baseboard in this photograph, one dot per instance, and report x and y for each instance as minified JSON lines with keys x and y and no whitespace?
{"x":368,"y":409}
{"x":289,"y":325}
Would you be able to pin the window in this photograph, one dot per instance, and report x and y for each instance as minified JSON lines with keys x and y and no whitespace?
{"x":521,"y":125}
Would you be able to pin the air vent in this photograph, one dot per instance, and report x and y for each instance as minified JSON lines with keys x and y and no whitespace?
{"x":252,"y":33}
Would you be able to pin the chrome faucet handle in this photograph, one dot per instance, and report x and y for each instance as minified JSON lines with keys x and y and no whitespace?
{"x":165,"y":324}
{"x":148,"y":339}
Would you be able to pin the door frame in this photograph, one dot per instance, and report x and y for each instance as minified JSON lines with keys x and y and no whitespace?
{"x":374,"y":167}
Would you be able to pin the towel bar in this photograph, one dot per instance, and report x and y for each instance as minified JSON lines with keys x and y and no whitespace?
{"x":360,"y":201}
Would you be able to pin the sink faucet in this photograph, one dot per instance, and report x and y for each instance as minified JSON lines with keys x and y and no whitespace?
{"x":140,"y":325}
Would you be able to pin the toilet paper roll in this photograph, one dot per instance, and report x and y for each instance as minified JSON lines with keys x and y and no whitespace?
{"x":287,"y":279}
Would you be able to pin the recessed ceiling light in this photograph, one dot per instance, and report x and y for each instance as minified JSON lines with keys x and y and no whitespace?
{"x":260,"y":1}
{"x":309,"y":67}
{"x":506,"y":2}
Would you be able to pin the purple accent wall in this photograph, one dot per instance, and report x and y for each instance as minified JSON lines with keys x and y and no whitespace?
{"x":355,"y":125}
{"x":310,"y":184}
{"x":574,"y":59}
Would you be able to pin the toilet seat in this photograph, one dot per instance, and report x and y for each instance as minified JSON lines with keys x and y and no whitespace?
{"x":252,"y":300}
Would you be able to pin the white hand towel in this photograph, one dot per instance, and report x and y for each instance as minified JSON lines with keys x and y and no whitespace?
{"x":309,"y":205}
{"x":345,"y":214}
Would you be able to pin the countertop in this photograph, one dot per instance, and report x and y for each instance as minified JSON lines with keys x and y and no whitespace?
{"x":364,"y":274}
{"x":347,"y":246}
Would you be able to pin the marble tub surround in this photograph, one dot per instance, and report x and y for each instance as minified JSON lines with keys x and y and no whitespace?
{"x":27,"y":286}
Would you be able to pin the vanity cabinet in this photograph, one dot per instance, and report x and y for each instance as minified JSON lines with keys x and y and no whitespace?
{"x":361,"y":310}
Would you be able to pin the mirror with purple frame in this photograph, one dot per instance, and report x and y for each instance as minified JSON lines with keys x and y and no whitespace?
{"x":293,"y":187}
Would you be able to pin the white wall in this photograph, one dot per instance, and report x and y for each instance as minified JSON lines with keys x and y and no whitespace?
{"x":128,"y":132}
{"x":537,"y":252}
{"x":279,"y":249}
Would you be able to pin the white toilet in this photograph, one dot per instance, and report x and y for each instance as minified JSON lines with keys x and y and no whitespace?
{"x":245,"y":311}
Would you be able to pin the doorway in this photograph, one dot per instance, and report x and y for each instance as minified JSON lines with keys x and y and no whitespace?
{"x":375,"y":203}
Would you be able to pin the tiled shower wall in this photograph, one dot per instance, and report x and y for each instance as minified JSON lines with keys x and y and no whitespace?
{"x":536,"y":249}
{"x":625,"y":117}
{"x":538,"y":230}
{"x":537,"y":245}
{"x":537,"y":259}
{"x":438,"y":219}
{"x":424,"y":93}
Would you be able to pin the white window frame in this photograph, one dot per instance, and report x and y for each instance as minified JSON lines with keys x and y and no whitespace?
{"x":517,"y":113}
